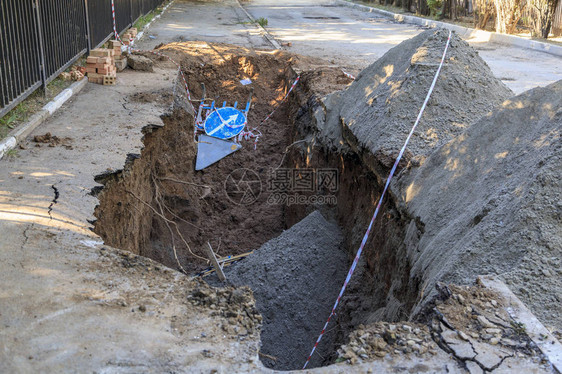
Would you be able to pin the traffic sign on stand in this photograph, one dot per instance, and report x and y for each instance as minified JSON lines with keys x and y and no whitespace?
{"x":225,"y":123}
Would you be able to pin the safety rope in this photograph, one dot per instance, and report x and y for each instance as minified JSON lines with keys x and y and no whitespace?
{"x":392,"y":171}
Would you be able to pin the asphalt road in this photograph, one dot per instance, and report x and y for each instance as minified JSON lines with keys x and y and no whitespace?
{"x":354,"y":39}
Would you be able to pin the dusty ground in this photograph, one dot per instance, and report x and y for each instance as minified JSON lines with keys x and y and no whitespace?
{"x":207,"y":20}
{"x":470,"y":323}
{"x":65,"y":299}
{"x":69,"y":303}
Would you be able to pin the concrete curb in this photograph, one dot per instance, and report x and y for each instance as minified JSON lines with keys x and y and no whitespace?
{"x":464,"y":32}
{"x":19,"y":134}
{"x":266,"y":33}
{"x":535,"y":330}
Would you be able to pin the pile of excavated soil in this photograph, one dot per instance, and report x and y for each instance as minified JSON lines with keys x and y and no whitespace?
{"x":485,"y":202}
{"x":471,"y":325}
{"x":378,"y":110}
{"x":361,"y":129}
{"x":52,"y":140}
{"x":295,"y":278}
{"x":490,"y":201}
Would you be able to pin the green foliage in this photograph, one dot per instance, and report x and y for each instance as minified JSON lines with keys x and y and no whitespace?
{"x":21,"y":112}
{"x":262,"y":21}
{"x":12,"y":153}
{"x":143,"y":21}
{"x":13,"y":118}
{"x":519,"y":327}
{"x":435,"y":7}
{"x":10,"y":119}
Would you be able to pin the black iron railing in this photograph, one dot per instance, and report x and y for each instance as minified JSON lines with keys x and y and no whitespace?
{"x":40,"y":38}
{"x":20,"y":60}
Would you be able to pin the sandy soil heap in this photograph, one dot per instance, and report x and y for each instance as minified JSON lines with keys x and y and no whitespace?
{"x":490,"y":202}
{"x":478,"y":192}
{"x":295,"y":278}
{"x":378,"y":110}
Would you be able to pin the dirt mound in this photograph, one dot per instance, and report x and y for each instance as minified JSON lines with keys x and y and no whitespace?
{"x":295,"y":278}
{"x":52,"y":140}
{"x":484,"y":203}
{"x":378,"y":110}
{"x":471,"y":325}
{"x":361,"y":129}
{"x":489,"y":201}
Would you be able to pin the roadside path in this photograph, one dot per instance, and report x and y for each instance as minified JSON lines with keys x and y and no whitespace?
{"x":67,"y":303}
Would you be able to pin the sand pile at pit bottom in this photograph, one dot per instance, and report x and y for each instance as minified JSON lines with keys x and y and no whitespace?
{"x":295,"y":278}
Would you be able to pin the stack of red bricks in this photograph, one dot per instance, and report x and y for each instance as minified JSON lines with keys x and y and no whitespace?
{"x":120,"y":60}
{"x":129,"y":35}
{"x":100,"y":66}
{"x":116,"y":46}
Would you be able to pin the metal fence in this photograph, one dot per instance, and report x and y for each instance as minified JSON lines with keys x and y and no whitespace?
{"x":41,"y":38}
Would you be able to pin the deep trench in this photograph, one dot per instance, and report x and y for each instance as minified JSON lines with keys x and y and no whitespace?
{"x":144,"y":208}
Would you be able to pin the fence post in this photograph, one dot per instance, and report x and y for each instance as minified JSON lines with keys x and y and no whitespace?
{"x":42,"y":67}
{"x":88,"y":36}
{"x":131,"y":12}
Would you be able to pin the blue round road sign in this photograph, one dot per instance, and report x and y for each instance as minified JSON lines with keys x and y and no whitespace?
{"x":224,"y":123}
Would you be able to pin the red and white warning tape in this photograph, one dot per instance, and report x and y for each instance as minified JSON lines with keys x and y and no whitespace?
{"x":392,"y":171}
{"x":255,"y":133}
{"x":247,"y":135}
{"x":348,"y":75}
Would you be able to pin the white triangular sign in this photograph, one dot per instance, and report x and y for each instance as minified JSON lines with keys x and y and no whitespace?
{"x":211,"y":150}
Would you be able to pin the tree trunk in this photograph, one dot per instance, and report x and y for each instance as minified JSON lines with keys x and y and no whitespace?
{"x":542,"y":17}
{"x":508,"y":13}
{"x":445,"y":9}
{"x":407,"y":5}
{"x":453,"y":9}
{"x":484,"y":21}
{"x":422,"y":7}
{"x":483,"y":11}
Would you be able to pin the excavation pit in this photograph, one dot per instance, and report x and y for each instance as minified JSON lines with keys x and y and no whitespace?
{"x":159,"y":207}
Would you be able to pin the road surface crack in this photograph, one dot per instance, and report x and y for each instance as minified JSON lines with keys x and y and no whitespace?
{"x":54,"y":201}
{"x":26,"y":236}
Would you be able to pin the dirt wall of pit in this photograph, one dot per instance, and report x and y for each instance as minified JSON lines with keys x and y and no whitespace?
{"x":468,"y":167}
{"x":159,"y":206}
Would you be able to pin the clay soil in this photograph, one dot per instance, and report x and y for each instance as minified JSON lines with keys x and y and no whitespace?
{"x":159,"y":202}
